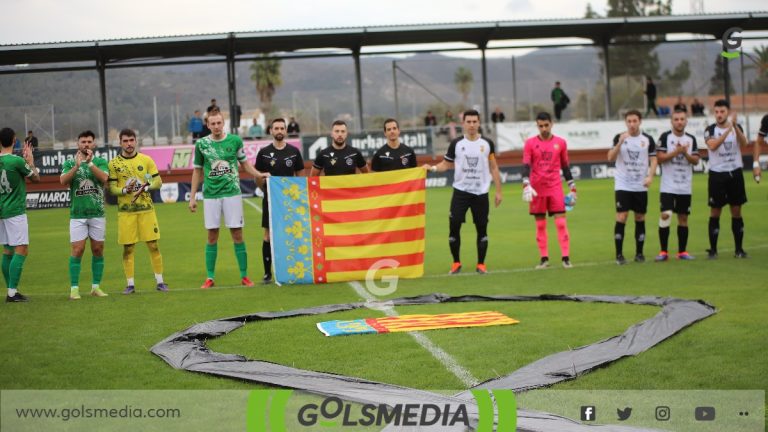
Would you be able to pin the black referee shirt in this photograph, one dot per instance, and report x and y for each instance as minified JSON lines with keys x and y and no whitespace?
{"x":333,"y":161}
{"x":285,"y":162}
{"x":388,"y":159}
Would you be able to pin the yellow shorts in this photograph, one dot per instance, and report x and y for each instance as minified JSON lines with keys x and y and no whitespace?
{"x":135,"y":227}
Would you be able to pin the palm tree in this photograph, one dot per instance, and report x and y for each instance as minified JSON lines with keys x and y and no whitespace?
{"x":759,"y":57}
{"x":463,"y":79}
{"x":266,"y":75}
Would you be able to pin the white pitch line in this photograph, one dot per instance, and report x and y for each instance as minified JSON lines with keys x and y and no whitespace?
{"x":438,"y":353}
{"x":247,"y":201}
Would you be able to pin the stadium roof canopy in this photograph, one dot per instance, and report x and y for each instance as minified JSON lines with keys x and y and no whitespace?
{"x":231,"y":47}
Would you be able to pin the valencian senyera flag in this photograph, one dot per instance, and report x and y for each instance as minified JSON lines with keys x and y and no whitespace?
{"x":407,"y":323}
{"x":342,"y":228}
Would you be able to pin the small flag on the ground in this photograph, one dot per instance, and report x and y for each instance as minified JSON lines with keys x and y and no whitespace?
{"x":405,"y":323}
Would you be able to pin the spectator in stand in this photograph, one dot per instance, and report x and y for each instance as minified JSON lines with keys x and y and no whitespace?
{"x":450,"y":124}
{"x":293,"y":128}
{"x":680,"y":105}
{"x":195,"y":126}
{"x":697,"y":108}
{"x":498,"y":116}
{"x":212,"y":106}
{"x":559,"y":99}
{"x":430,"y":119}
{"x":650,"y":97}
{"x":205,"y":131}
{"x":255,"y":131}
{"x":31,"y":139}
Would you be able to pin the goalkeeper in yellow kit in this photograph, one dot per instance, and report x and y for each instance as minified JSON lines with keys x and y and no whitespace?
{"x":131,"y":176}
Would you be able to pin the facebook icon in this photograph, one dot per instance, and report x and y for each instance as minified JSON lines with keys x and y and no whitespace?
{"x":588,"y":413}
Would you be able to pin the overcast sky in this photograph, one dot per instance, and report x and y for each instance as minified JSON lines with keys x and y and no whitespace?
{"x":35,"y":21}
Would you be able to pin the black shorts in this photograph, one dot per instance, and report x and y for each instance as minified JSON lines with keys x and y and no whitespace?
{"x":679,"y":204}
{"x":265,"y":212}
{"x":461,"y":201}
{"x":726,"y":188}
{"x":631,"y":201}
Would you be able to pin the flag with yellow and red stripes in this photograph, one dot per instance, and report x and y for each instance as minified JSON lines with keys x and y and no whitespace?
{"x":341,"y":228}
{"x":406,"y":323}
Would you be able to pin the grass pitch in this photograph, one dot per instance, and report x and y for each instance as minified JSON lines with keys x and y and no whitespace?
{"x":53,"y":343}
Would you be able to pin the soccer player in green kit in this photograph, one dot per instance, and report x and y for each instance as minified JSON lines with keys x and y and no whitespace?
{"x":14,"y":230}
{"x":86,"y":176}
{"x":216,"y":163}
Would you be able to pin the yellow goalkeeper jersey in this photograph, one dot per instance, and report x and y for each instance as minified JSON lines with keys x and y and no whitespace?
{"x":131,"y":174}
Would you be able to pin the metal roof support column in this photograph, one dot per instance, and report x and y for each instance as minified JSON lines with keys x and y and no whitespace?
{"x":232,"y":86}
{"x":486,"y":115}
{"x":607,"y":80}
{"x":359,"y":89}
{"x":101,"y":68}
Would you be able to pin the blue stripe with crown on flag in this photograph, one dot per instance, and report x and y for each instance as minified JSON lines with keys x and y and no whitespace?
{"x":291,"y":236}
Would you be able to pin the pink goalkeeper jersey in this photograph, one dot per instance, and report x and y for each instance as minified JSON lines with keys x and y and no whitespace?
{"x":546,"y":158}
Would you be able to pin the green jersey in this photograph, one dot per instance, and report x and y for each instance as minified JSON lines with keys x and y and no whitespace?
{"x":13,"y":185}
{"x":219,"y":161}
{"x":86,"y":193}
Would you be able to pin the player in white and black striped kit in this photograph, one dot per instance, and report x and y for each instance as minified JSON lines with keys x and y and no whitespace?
{"x":635,"y":156}
{"x":726,"y":179}
{"x":474,"y":159}
{"x":677,"y":153}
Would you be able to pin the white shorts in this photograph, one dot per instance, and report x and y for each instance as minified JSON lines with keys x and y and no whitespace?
{"x":14,"y":231}
{"x":232,"y":207}
{"x":81,"y":229}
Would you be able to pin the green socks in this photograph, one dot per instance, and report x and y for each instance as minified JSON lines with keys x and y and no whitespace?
{"x":242,"y":259}
{"x":97,"y":268}
{"x":74,"y":271}
{"x":16,"y":266}
{"x":7,"y":264}
{"x":211,"y":250}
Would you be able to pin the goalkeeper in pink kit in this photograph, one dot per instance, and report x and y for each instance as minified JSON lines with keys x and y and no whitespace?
{"x":543,"y":157}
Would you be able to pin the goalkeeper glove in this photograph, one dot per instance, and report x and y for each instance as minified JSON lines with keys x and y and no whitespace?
{"x":572,"y":193}
{"x":528,"y":191}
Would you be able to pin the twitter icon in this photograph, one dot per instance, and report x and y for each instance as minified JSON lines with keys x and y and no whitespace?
{"x":624,"y":413}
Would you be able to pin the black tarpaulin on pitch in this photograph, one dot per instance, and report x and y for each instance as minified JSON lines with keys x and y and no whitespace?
{"x":187,"y":350}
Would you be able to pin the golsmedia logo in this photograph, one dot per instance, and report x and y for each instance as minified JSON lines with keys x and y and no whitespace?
{"x":267,"y":411}
{"x":731,"y":42}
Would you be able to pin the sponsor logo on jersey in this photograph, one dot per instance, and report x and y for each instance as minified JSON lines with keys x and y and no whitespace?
{"x":87,"y":188}
{"x":219,"y":168}
{"x":472,"y":161}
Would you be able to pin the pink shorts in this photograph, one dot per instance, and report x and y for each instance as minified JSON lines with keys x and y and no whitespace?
{"x":547,"y":204}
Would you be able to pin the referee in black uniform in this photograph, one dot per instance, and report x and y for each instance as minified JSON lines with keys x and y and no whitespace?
{"x":278,"y":159}
{"x":338,"y":158}
{"x":393,"y":155}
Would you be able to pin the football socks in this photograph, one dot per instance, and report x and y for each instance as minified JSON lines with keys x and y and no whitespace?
{"x":562,"y":236}
{"x":211,"y":251}
{"x":242,"y":259}
{"x":74,"y":271}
